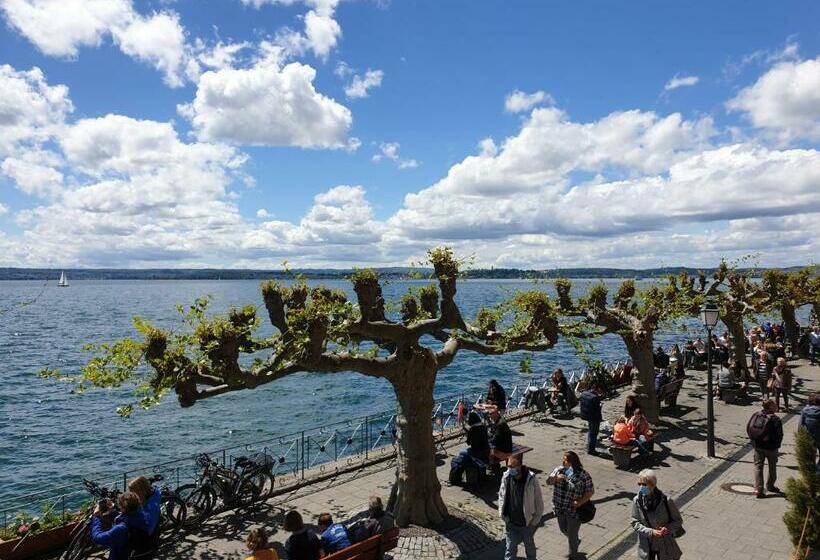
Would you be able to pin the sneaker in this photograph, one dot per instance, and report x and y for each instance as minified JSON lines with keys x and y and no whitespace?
{"x":760,"y":495}
{"x":773,"y":489}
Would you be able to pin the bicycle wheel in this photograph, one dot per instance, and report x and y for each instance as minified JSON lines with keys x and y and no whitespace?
{"x":172,"y":516}
{"x":80,"y":546}
{"x":248,"y":493}
{"x":199,"y":503}
{"x":265,"y":481}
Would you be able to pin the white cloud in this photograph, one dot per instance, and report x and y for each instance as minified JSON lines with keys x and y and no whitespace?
{"x":360,"y":85}
{"x":158,"y":40}
{"x":784,"y":101}
{"x":322,"y":31}
{"x":519,"y":101}
{"x":390,"y":151}
{"x":262,"y":213}
{"x":680,"y":81}
{"x":62,"y":27}
{"x":267,"y":105}
{"x":30,"y":109}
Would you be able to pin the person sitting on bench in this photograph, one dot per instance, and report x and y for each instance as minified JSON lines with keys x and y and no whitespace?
{"x":478,"y":447}
{"x":622,"y":434}
{"x":727,"y":380}
{"x":640,"y":429}
{"x":500,"y":440}
{"x":333,"y":536}
{"x":559,"y":392}
{"x":378,"y":521}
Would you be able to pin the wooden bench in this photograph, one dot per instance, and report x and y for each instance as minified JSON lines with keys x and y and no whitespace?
{"x":621,"y":454}
{"x":369,"y":549}
{"x":516,"y":450}
{"x":669,"y":393}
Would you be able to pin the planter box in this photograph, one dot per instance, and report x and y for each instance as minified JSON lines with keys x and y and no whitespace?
{"x":37,"y":543}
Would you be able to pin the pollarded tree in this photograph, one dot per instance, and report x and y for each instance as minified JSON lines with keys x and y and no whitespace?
{"x":737,"y":296}
{"x":633,"y":315}
{"x":319,"y":330}
{"x":787,"y":292}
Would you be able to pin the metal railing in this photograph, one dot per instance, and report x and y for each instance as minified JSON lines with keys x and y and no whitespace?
{"x":296,"y":456}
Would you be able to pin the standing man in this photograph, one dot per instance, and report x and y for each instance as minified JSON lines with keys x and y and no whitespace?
{"x":521,"y":506}
{"x":591,"y":412}
{"x":764,"y":371}
{"x":766,"y":432}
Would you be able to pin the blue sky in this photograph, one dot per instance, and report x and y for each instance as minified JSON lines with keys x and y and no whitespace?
{"x":156,"y":153}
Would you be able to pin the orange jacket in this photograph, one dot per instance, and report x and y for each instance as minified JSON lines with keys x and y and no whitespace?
{"x":622,"y":434}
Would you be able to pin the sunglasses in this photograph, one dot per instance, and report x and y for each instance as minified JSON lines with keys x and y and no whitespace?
{"x":642,"y":484}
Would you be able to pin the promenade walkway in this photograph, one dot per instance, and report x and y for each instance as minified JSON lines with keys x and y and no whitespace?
{"x":721,"y":523}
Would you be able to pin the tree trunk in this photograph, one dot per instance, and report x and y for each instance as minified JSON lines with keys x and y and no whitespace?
{"x":735,"y":325}
{"x":416,"y":494}
{"x":791,"y":326}
{"x":643,"y":380}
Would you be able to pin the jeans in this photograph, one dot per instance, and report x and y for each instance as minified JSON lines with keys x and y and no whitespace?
{"x":644,"y":447}
{"x":516,"y":535}
{"x":762,"y":455}
{"x":592,"y":435}
{"x":570,"y":525}
{"x":784,"y":393}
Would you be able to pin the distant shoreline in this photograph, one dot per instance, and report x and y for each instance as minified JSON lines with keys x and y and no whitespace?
{"x":396,"y":273}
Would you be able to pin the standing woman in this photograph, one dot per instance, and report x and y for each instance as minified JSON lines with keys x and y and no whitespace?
{"x":572,"y":488}
{"x":497,"y":396}
{"x":656,"y":519}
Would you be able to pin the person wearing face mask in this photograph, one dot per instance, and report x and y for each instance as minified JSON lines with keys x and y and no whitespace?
{"x":521,"y":506}
{"x":572,"y":488}
{"x":656,"y":519}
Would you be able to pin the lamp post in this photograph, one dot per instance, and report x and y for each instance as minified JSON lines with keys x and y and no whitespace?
{"x":709,"y":315}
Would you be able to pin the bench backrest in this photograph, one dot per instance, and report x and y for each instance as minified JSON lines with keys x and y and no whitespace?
{"x":671,"y":387}
{"x":368,"y":549}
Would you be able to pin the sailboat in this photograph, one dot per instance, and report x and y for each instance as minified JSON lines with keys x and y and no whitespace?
{"x":63,"y":283}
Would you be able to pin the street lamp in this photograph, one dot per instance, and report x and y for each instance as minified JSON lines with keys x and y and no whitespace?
{"x":709,"y":316}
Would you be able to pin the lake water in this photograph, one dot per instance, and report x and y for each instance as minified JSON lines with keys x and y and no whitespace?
{"x":50,"y":437}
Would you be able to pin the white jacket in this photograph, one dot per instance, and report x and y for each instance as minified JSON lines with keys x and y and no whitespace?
{"x":533,"y":502}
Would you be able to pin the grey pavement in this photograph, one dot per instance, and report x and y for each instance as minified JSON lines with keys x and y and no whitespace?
{"x":720,"y":524}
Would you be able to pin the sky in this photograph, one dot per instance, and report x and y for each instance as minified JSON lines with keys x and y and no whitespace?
{"x":339,"y":133}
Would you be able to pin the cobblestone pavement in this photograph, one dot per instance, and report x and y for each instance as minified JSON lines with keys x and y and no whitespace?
{"x":719,"y":524}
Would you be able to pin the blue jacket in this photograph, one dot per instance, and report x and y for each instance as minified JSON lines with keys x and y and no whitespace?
{"x":810,"y":419}
{"x":151,"y":511}
{"x":116,"y":538}
{"x":335,"y":538}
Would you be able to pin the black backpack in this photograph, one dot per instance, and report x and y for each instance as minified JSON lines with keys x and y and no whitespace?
{"x":757,"y":428}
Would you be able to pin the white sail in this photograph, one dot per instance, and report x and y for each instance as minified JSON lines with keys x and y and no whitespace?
{"x":63,"y":283}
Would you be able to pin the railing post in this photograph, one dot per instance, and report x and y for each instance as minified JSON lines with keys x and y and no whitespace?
{"x":124,"y":482}
{"x":303,"y":454}
{"x":177,"y":476}
{"x":224,"y":459}
{"x":366,"y":437}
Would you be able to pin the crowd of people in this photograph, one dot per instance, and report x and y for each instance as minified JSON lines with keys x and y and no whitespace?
{"x":130,"y":531}
{"x":654,"y":516}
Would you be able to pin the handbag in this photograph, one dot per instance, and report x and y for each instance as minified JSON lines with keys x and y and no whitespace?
{"x":772,"y":383}
{"x":586,"y":512}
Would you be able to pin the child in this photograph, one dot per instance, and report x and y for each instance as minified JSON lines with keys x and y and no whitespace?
{"x":257,"y":542}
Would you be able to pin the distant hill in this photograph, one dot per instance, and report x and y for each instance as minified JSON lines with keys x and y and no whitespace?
{"x":326,"y":274}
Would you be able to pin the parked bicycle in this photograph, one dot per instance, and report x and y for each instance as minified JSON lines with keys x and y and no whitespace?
{"x":220,"y":487}
{"x":173,"y":512}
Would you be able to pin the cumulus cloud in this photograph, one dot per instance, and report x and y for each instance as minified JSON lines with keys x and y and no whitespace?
{"x":519,"y":101}
{"x":359,"y":86}
{"x":267,"y":104}
{"x":390,"y":151}
{"x":784,"y":101}
{"x":62,"y":27}
{"x":679,"y":81}
{"x":31,"y":111}
{"x":626,"y":174}
{"x":321,"y":32}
